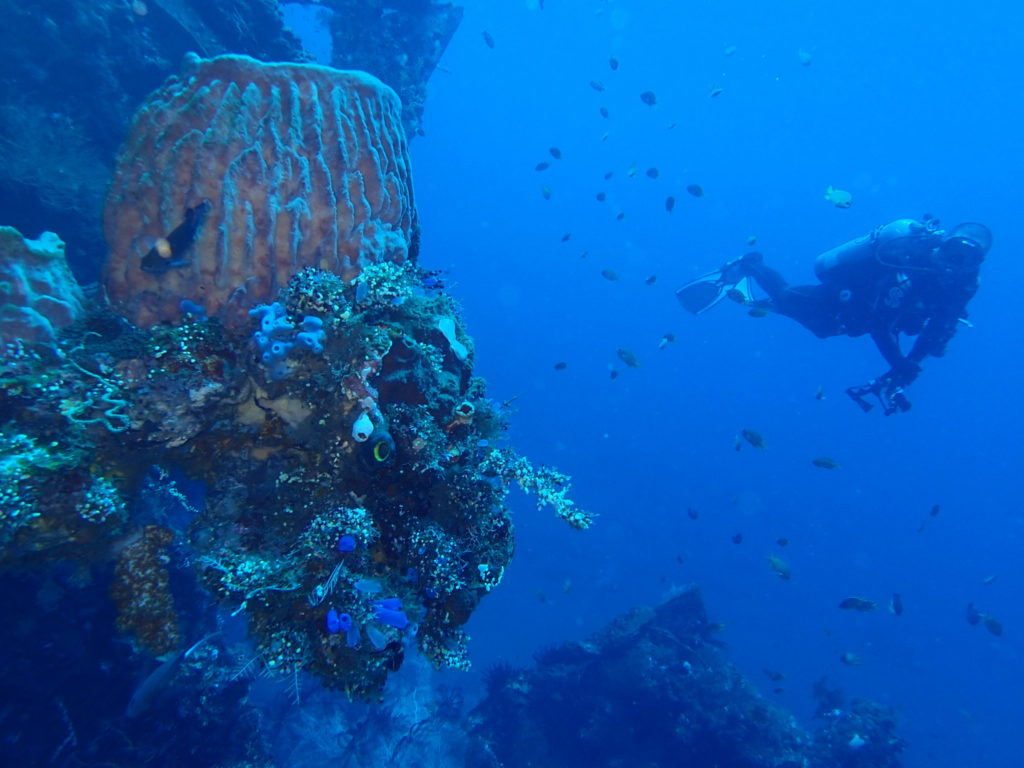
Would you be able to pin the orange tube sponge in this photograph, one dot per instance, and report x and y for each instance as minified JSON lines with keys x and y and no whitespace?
{"x":240,"y":173}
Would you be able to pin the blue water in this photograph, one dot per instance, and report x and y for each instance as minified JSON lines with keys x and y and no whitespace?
{"x":912,"y":107}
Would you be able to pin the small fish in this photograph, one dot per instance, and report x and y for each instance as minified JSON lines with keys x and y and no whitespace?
{"x":936,"y":508}
{"x":780,"y":566}
{"x":613,"y":62}
{"x":604,"y":112}
{"x":560,"y":366}
{"x":759,"y":312}
{"x":651,"y":280}
{"x":649,"y":98}
{"x":613,"y":374}
{"x":488,"y":39}
{"x":157,"y":681}
{"x":820,"y":394}
{"x":628,"y":357}
{"x":737,"y":538}
{"x":989,"y":579}
{"x":838,"y":197}
{"x":555,"y":153}
{"x":670,"y":203}
{"x":804,"y":58}
{"x":737,"y":444}
{"x":729,"y":50}
{"x":775,"y":677}
{"x":692,"y":513}
{"x":566,"y":236}
{"x":584,"y":254}
{"x":620,"y":216}
{"x":782,"y":542}
{"x":857,"y":604}
{"x":605,"y":135}
{"x":165,"y":253}
{"x":600,"y":197}
{"x":735,"y":294}
{"x":992,"y":624}
{"x":754,"y":437}
{"x":545,"y":192}
{"x":610,"y":274}
{"x":567,"y":586}
{"x":896,"y":604}
{"x":851,"y":659}
{"x":608,"y":175}
{"x":597,"y":85}
{"x":652,"y":173}
{"x":542,"y":166}
{"x":668,"y":338}
{"x":751,"y":239}
{"x":633,"y":170}
{"x":973,"y":615}
{"x":695,"y":189}
{"x":716,"y":91}
{"x":825,"y":463}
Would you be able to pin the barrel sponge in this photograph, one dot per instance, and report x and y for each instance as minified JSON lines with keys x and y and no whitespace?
{"x":38,"y":293}
{"x":301,"y":165}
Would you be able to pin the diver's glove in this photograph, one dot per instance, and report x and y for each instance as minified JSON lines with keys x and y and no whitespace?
{"x":902,"y":375}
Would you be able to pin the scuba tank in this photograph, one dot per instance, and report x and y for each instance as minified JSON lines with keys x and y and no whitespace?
{"x":900,"y":244}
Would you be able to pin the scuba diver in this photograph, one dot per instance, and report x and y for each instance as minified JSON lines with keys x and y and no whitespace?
{"x":906,"y":277}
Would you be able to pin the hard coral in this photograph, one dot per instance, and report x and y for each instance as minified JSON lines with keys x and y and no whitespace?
{"x":240,"y":174}
{"x":38,"y":294}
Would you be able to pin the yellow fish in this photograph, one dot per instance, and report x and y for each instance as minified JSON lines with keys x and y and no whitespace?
{"x":838,"y":197}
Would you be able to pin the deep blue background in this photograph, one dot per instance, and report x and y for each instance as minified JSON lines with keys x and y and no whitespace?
{"x":913,"y":107}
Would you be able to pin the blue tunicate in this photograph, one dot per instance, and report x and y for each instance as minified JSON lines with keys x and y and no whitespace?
{"x":391,"y":603}
{"x":347,"y":543}
{"x":412,"y":575}
{"x":362,"y":291}
{"x":333,"y":622}
{"x":370,"y":586}
{"x":398,"y":301}
{"x":191,"y":308}
{"x":377,"y":637}
{"x":310,"y":341}
{"x":277,"y":338}
{"x":344,"y":622}
{"x":352,"y":636}
{"x":280,"y":349}
{"x":396,"y":619}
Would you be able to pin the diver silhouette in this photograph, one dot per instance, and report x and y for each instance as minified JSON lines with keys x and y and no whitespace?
{"x":906,"y":277}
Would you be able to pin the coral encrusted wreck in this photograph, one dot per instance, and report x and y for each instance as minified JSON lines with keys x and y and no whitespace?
{"x":652,"y":689}
{"x":270,"y":336}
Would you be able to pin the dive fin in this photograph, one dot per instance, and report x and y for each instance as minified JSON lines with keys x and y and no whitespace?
{"x":702,"y":294}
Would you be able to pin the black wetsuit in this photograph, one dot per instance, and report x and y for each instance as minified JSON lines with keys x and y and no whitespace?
{"x":880,"y":300}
